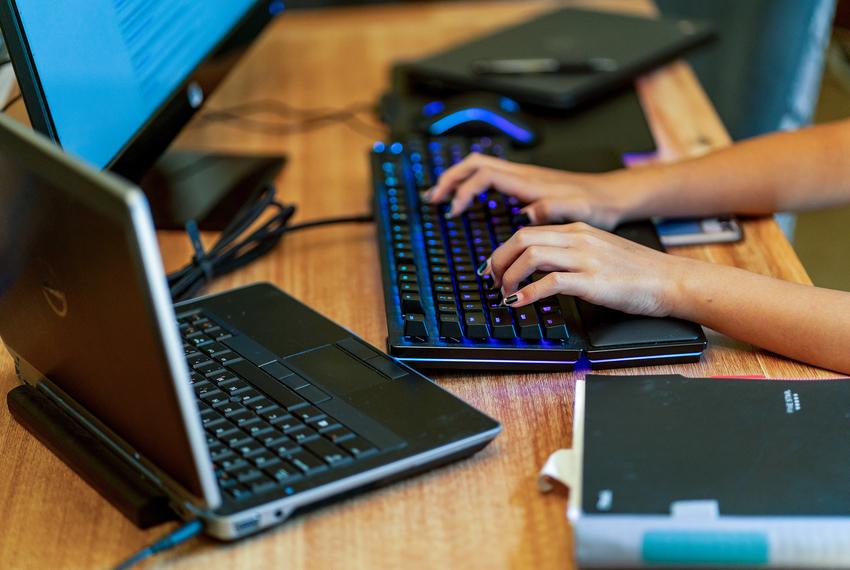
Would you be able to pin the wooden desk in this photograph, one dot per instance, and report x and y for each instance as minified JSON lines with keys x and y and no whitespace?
{"x":485,"y":512}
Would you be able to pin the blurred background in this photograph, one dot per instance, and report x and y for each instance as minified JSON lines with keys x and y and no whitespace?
{"x":777,"y":64}
{"x":822,"y":239}
{"x":782,"y":64}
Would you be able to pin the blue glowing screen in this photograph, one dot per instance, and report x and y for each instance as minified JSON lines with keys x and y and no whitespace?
{"x":106,"y":66}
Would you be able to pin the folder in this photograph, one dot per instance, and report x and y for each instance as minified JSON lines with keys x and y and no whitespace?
{"x":690,"y":472}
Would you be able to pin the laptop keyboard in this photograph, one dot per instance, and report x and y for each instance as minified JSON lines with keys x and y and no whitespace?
{"x":264,"y":428}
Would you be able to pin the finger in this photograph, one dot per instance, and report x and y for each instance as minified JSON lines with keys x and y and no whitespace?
{"x":560,"y":282}
{"x":484,"y":178}
{"x":539,"y":258}
{"x":484,"y":268}
{"x":560,"y":235}
{"x":508,"y":252}
{"x":557,"y":211}
{"x":455,"y":175}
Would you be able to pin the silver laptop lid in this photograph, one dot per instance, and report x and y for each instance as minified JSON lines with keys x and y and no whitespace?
{"x":84,"y":301}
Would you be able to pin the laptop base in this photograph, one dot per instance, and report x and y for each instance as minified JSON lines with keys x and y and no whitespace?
{"x":134,"y":496}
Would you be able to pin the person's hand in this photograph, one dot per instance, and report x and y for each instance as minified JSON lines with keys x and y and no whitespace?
{"x":589,"y":263}
{"x":552,"y":196}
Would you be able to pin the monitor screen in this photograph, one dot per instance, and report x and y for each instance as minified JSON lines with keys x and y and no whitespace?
{"x":106,"y":66}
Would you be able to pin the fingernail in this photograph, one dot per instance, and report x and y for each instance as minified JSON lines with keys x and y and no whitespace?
{"x":522,"y":219}
{"x":511,"y":300}
{"x":448,"y":215}
{"x":481,"y":268}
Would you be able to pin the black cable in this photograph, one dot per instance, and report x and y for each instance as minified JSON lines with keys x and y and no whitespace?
{"x":284,"y":109}
{"x":294,"y":119}
{"x":273,"y":128}
{"x":11,"y":102}
{"x":188,"y":531}
{"x":359,"y":219}
{"x":232,"y":250}
{"x":281,"y":128}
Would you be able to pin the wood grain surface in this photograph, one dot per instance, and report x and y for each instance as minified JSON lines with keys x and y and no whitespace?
{"x":485,"y":512}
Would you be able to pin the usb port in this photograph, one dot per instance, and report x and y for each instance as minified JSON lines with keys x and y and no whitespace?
{"x":248,"y":525}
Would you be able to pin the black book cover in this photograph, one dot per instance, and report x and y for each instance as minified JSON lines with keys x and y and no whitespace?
{"x":757,"y":447}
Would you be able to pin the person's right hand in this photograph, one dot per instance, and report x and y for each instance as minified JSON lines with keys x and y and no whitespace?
{"x":553,"y":196}
{"x":594,"y":265}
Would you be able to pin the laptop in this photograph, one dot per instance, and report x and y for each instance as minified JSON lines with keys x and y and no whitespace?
{"x":243,"y":407}
{"x":633,"y":44}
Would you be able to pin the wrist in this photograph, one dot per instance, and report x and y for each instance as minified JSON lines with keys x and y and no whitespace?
{"x":632,"y":194}
{"x":695,"y":288}
{"x":682,"y":280}
{"x":607,"y":205}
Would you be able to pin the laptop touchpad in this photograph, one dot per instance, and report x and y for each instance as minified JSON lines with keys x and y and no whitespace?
{"x":335,"y":370}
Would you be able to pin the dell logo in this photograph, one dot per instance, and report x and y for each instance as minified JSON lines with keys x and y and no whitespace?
{"x":195,"y":95}
{"x":56,"y":300}
{"x":55,"y":297}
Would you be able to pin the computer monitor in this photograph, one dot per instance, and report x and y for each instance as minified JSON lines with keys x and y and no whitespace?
{"x":114,"y":82}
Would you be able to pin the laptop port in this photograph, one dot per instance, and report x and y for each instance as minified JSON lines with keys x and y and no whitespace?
{"x":248,"y":525}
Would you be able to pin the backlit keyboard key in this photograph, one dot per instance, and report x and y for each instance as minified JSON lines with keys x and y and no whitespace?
{"x":450,"y":326}
{"x":529,"y":326}
{"x":414,"y":325}
{"x":555,"y":327}
{"x":476,"y":325}
{"x":503,"y":324}
{"x":411,"y":303}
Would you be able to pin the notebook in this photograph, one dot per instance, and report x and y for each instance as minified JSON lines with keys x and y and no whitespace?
{"x":668,"y":470}
{"x":634,"y":43}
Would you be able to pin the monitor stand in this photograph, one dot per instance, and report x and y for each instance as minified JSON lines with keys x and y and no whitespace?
{"x":207,"y":187}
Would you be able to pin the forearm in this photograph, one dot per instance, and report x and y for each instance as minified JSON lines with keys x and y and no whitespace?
{"x":802,"y":322}
{"x":801,"y":170}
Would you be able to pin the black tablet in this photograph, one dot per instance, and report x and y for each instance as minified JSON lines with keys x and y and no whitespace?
{"x":579,"y":55}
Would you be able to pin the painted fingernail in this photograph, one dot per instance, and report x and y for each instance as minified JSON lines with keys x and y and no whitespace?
{"x":522,"y":219}
{"x":511,"y":300}
{"x":481,"y":268}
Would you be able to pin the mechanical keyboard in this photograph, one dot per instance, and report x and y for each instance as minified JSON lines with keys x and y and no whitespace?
{"x":441,"y":314}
